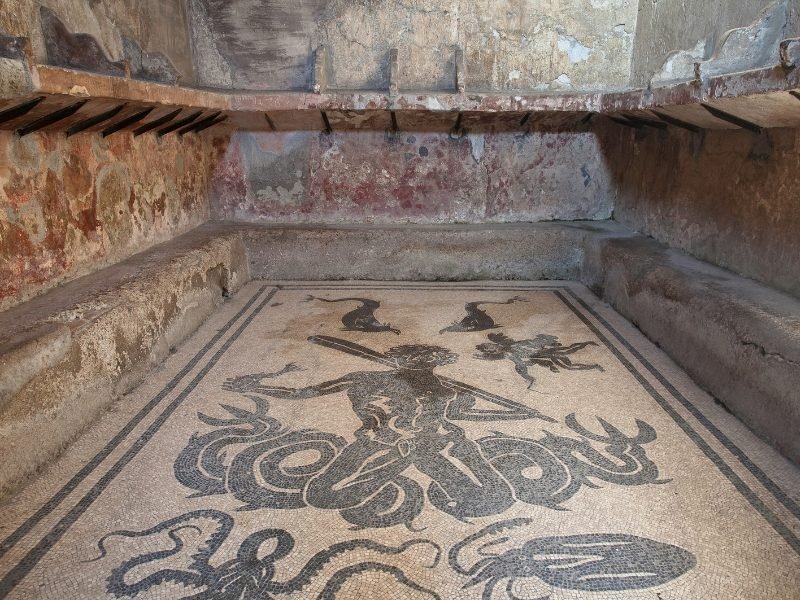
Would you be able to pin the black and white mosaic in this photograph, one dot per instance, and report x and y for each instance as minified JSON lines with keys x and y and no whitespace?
{"x":361,"y":318}
{"x":251,"y":574}
{"x":596,"y":562}
{"x":544,"y":350}
{"x":477,"y":319}
{"x":299,"y":446}
{"x":409,"y":418}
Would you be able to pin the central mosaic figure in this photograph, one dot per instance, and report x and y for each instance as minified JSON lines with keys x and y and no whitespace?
{"x":409,"y":417}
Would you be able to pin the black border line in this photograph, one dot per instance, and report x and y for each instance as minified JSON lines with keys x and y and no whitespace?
{"x":443,"y":287}
{"x":26,"y":565}
{"x":742,"y":487}
{"x":31,"y":559}
{"x":729,"y":445}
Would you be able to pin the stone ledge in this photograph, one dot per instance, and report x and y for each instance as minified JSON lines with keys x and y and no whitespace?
{"x":522,"y":251}
{"x":738,"y":339}
{"x":68,"y":354}
{"x":767,"y":97}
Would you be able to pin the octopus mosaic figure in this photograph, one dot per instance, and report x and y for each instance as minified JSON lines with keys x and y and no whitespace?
{"x":361,"y":318}
{"x":251,"y":575}
{"x":541,"y":351}
{"x":409,"y":418}
{"x":476,"y":318}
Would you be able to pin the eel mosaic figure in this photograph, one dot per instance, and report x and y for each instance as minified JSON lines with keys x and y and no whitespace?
{"x":541,"y":351}
{"x":251,"y":575}
{"x":362,"y":318}
{"x":409,"y":418}
{"x":476,"y":318}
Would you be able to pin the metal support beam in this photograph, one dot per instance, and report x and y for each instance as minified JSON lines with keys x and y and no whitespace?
{"x":393,"y":133}
{"x":458,"y":131}
{"x":19,"y":111}
{"x":156,"y":123}
{"x":50,"y":119}
{"x":621,"y":120}
{"x":645,"y":122}
{"x":96,"y":120}
{"x":677,"y":122}
{"x":216,"y":121}
{"x":725,"y":116}
{"x":178,"y":124}
{"x":127,"y":122}
{"x":328,"y":128}
{"x":198,"y":124}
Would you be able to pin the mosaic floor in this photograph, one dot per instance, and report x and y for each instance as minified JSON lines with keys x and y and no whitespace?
{"x":338,"y":440}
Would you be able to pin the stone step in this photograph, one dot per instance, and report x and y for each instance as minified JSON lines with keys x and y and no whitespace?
{"x":737,"y":338}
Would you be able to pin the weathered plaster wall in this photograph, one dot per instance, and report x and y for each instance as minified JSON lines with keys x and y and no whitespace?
{"x":69,"y":206}
{"x":508,"y":44}
{"x":421,"y":177}
{"x":698,"y":26}
{"x":157,"y":25}
{"x":729,"y":199}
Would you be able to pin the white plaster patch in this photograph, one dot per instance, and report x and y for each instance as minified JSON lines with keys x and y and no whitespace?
{"x":477,"y":143}
{"x":79,"y":90}
{"x":561,"y":82}
{"x":576,"y":51}
{"x":432,"y":103}
{"x":280,"y":196}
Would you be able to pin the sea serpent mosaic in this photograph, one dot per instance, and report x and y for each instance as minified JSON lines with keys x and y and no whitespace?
{"x":409,"y":417}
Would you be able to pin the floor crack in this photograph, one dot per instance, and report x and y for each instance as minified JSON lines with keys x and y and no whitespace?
{"x":763,"y":352}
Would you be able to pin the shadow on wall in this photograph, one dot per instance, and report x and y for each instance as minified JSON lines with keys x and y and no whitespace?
{"x":358,"y":177}
{"x":727,"y":197}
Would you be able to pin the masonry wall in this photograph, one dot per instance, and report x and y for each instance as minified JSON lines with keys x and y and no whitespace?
{"x":70,"y":206}
{"x":699,"y":27}
{"x":364,"y":177}
{"x":508,"y":44}
{"x":728,"y":197}
{"x":158,"y":26}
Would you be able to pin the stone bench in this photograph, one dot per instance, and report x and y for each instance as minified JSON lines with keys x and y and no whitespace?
{"x":66,"y":355}
{"x":738,"y":339}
